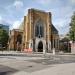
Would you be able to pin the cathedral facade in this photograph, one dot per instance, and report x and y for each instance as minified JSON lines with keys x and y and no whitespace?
{"x":39,"y":33}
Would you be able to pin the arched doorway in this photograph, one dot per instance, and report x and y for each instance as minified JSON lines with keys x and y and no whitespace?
{"x":19,"y":38}
{"x":19,"y":42}
{"x":40,"y":47}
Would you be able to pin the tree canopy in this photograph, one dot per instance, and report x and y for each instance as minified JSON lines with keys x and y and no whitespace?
{"x":72,"y":27}
{"x":3,"y":37}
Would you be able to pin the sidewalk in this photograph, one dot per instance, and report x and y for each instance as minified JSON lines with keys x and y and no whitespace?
{"x":35,"y":54}
{"x":61,"y":69}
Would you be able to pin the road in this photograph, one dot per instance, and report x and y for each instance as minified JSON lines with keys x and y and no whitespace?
{"x":32,"y":64}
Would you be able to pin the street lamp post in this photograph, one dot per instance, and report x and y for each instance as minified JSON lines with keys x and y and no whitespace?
{"x":33,"y":44}
{"x":73,"y":37}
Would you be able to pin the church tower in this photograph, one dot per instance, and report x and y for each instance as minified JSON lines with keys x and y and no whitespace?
{"x":37,"y":31}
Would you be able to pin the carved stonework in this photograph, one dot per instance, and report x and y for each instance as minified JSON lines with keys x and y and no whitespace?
{"x":38,"y":31}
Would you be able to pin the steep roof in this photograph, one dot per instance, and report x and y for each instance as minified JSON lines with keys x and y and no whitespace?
{"x":54,"y":30}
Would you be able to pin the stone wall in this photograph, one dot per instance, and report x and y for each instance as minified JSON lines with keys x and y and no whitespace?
{"x":73,"y":48}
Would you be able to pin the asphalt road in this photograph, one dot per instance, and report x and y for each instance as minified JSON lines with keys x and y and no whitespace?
{"x":13,"y":64}
{"x":5,"y":70}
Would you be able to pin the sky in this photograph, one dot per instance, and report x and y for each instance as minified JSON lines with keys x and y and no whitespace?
{"x":13,"y":11}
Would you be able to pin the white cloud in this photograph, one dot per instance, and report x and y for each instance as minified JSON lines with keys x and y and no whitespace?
{"x":44,"y":1}
{"x":26,"y":10}
{"x":72,"y":1}
{"x":66,"y":11}
{"x":18,"y":4}
{"x":62,"y":25}
{"x":48,"y":2}
{"x":16,"y":25}
{"x":62,"y":17}
{"x":0,"y":19}
{"x":4,"y":21}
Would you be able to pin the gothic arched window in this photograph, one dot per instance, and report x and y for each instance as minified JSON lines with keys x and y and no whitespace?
{"x":19,"y":38}
{"x":39,"y":29}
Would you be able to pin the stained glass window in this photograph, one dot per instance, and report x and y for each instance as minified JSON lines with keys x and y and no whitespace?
{"x":39,"y":29}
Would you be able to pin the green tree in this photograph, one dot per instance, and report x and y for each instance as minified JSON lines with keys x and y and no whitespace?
{"x":72,"y":28}
{"x":3,"y":37}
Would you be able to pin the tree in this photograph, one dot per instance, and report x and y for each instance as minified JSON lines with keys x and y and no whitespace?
{"x":72,"y":28}
{"x":65,"y":45}
{"x":3,"y":37}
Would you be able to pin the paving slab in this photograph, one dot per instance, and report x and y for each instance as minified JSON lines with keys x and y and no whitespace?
{"x":62,"y":69}
{"x":36,"y":65}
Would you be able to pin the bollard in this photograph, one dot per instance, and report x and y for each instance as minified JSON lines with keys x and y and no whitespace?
{"x":53,"y":51}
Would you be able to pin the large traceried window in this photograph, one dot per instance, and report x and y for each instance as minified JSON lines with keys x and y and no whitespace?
{"x":39,"y":29}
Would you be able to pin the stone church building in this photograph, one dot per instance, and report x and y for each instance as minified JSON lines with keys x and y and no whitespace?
{"x":36,"y":32}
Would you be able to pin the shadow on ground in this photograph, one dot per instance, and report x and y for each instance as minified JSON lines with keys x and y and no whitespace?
{"x":53,"y":61}
{"x":5,"y":70}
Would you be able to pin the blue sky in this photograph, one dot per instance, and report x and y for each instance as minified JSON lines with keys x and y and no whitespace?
{"x":13,"y":11}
